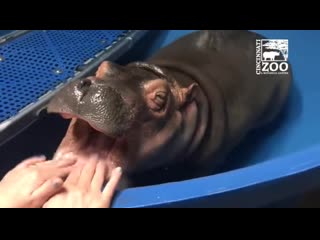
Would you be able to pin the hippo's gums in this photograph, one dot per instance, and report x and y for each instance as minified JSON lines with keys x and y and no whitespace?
{"x":190,"y":103}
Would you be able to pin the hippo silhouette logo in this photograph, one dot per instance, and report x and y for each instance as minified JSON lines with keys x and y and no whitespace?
{"x":272,"y":56}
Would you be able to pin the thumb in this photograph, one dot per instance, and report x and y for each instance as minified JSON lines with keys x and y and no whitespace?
{"x":46,"y":191}
{"x":111,"y":187}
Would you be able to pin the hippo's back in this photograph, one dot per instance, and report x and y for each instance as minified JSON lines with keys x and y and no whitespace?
{"x":236,"y":48}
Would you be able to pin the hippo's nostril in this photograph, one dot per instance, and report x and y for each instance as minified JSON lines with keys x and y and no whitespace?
{"x":82,"y":88}
{"x":85,"y":83}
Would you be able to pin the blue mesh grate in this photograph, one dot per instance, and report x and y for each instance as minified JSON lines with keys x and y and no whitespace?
{"x":30,"y":63}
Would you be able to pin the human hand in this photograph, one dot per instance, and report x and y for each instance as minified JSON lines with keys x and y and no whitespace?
{"x":82,"y":188}
{"x":32,"y":182}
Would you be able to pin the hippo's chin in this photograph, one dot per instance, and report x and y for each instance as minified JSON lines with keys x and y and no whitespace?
{"x":83,"y":142}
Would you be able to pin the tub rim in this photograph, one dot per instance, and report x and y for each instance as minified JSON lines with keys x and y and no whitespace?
{"x":254,"y":185}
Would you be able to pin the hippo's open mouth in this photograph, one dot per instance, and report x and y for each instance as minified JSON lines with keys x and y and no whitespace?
{"x":84,"y":141}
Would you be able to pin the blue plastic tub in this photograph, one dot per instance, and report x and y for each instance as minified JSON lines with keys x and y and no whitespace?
{"x":273,"y":164}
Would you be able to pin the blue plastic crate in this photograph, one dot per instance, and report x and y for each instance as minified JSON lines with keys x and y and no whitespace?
{"x":35,"y":64}
{"x":38,"y":61}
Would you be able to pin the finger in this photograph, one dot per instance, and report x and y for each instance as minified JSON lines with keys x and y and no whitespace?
{"x":74,"y":175}
{"x":62,"y":173}
{"x":62,"y":169}
{"x":46,"y":173}
{"x":87,"y":174}
{"x":40,"y":176}
{"x":99,"y":177}
{"x":111,"y":186}
{"x":48,"y":189}
{"x":31,"y":161}
{"x":61,"y":162}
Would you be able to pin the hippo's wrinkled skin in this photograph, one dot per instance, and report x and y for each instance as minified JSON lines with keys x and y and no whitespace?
{"x":192,"y":102}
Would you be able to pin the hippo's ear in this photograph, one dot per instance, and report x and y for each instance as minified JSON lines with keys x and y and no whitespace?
{"x":189,"y":93}
{"x":103,"y":69}
{"x":108,"y":68}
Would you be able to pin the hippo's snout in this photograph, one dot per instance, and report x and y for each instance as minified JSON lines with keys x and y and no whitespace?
{"x":104,"y":107}
{"x":107,"y":107}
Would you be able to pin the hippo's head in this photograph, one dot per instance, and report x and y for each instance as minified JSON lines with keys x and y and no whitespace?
{"x":125,"y":114}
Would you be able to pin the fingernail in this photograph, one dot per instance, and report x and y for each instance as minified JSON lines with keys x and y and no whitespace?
{"x":68,"y":156}
{"x":64,"y":160}
{"x":57,"y":155}
{"x":119,"y":169}
{"x":57,"y":183}
{"x":95,"y":157}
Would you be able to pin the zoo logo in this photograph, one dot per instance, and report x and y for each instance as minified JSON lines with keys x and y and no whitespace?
{"x":272,"y":56}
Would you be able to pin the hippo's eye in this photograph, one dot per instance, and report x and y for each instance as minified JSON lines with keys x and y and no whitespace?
{"x":160,"y":97}
{"x":159,"y":100}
